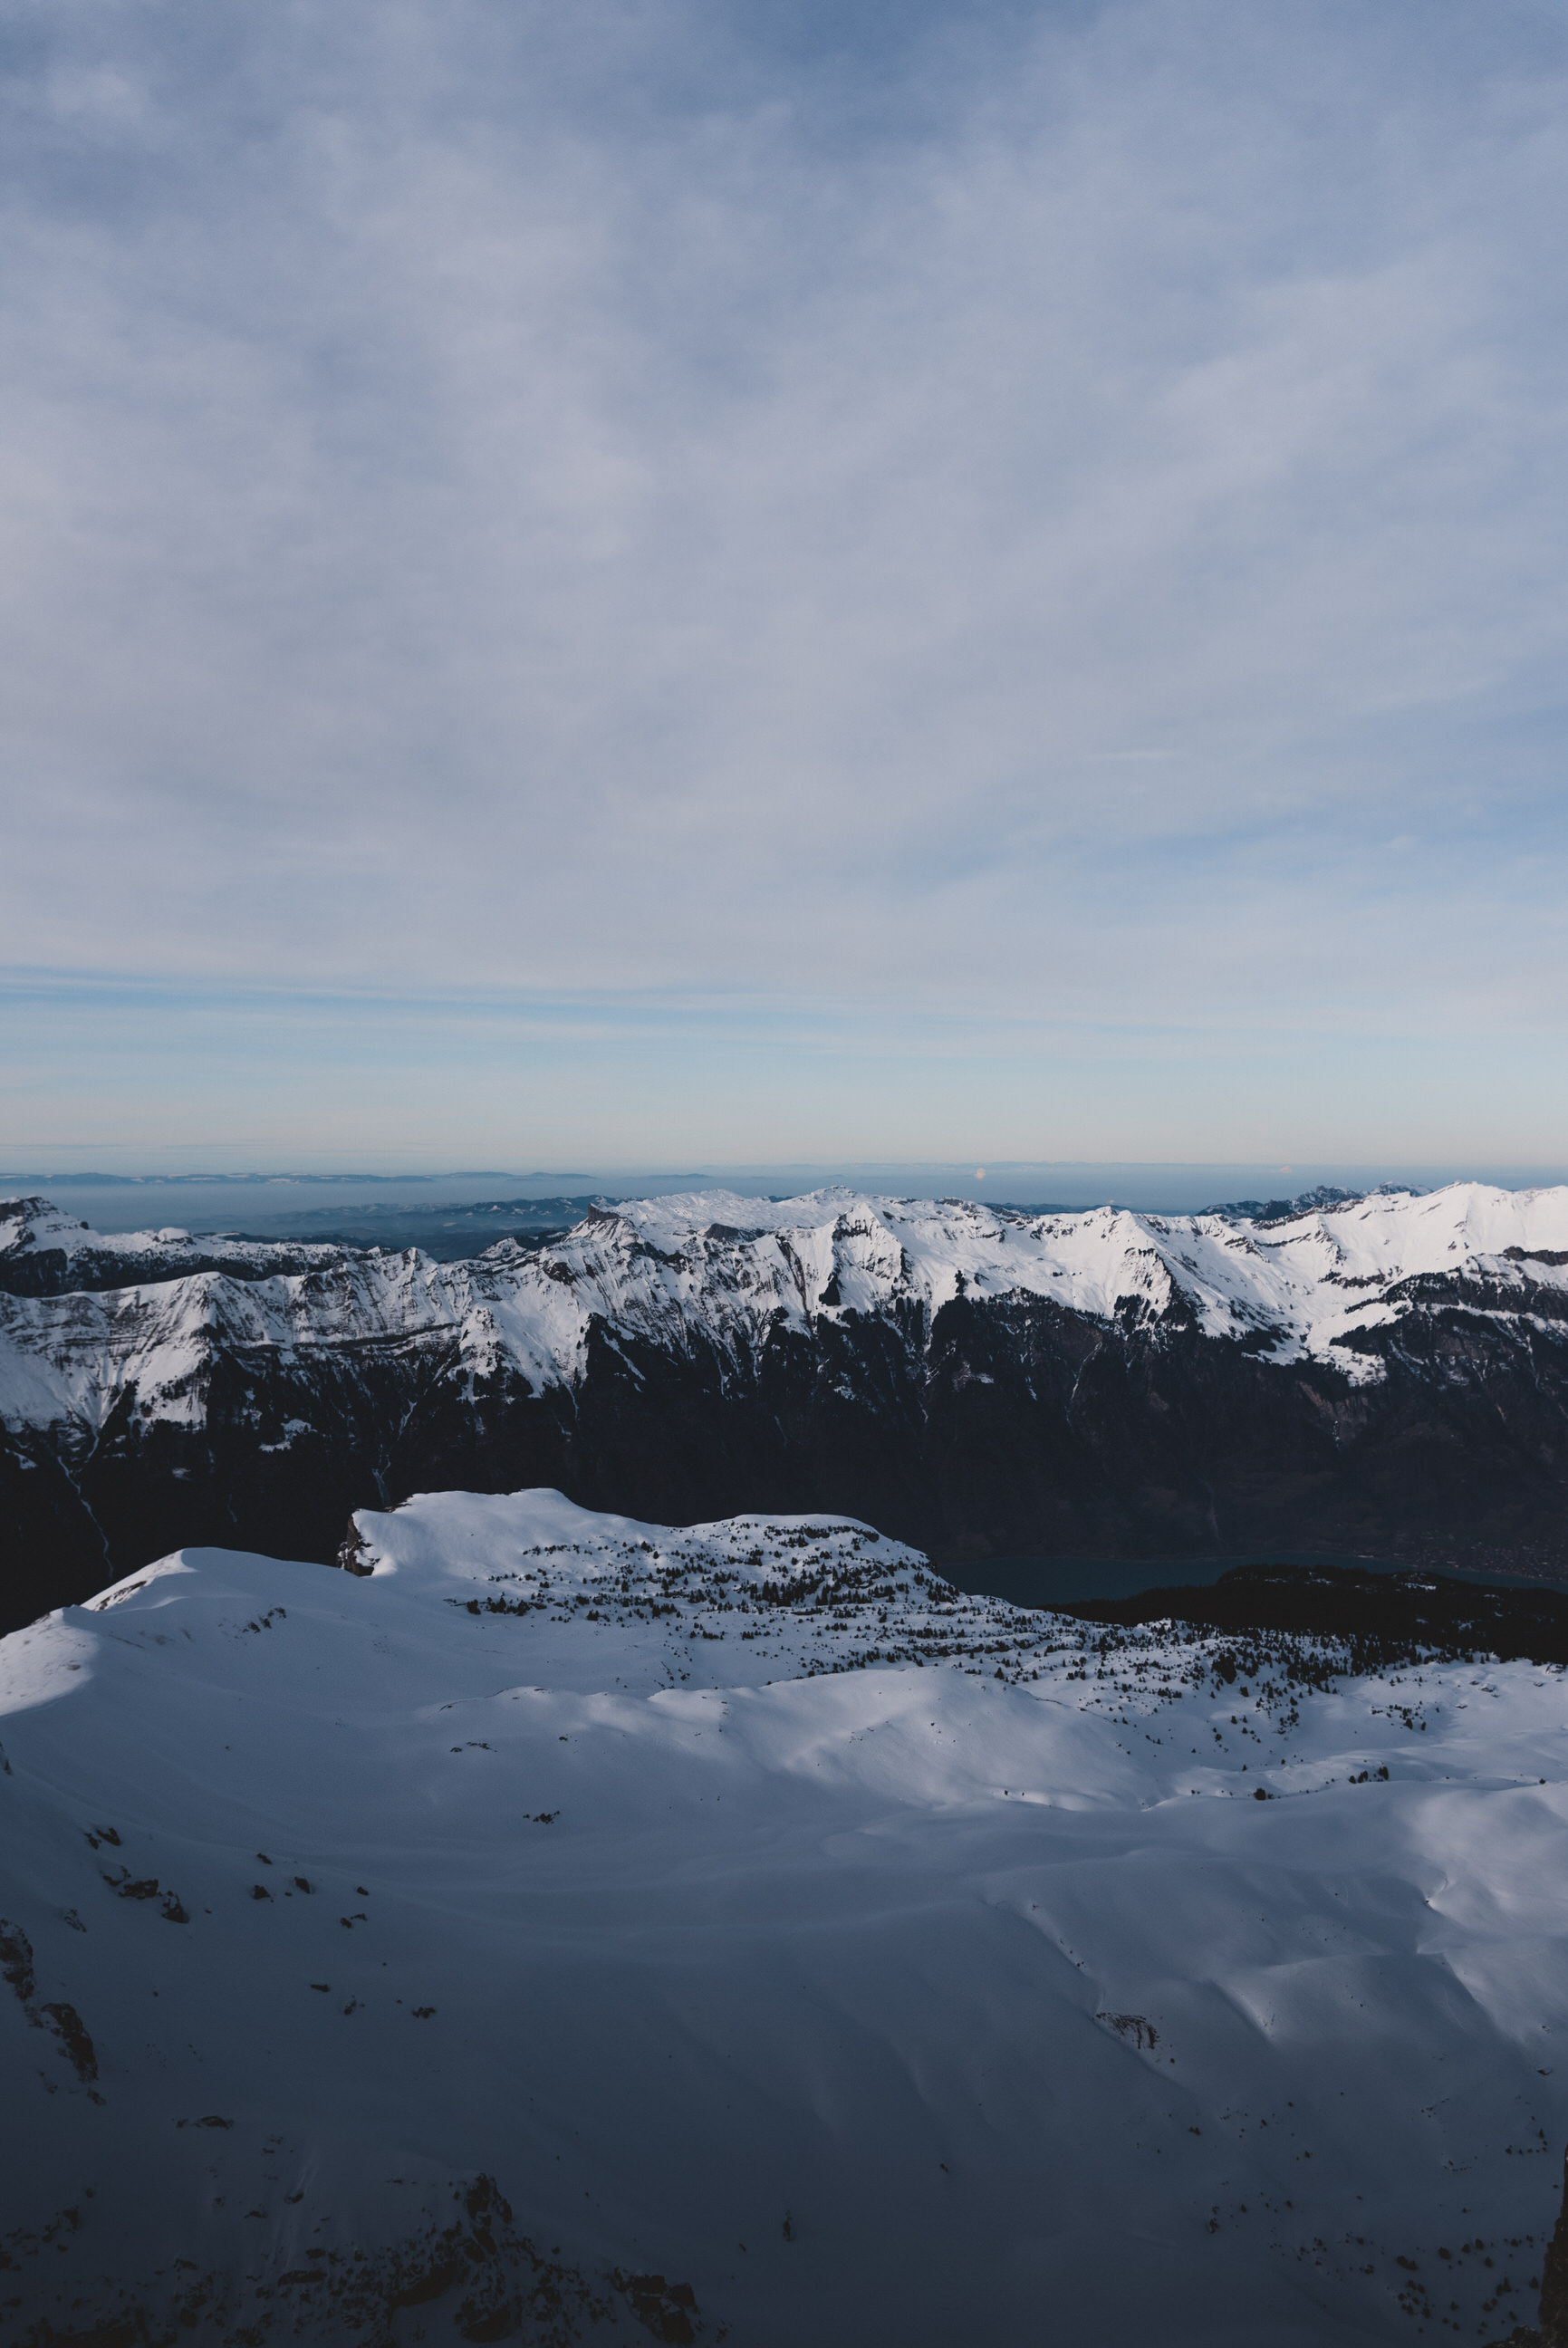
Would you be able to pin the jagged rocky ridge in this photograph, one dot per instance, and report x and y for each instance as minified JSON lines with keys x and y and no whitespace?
{"x":1381,"y":1376}
{"x":564,"y":1928}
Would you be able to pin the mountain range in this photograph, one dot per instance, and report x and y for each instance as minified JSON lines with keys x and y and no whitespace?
{"x":1382,"y":1375}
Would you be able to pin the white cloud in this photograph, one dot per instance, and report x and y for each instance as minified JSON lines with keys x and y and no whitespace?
{"x":503,"y":506}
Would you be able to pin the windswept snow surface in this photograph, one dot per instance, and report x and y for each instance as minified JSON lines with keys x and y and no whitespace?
{"x":854,"y":1960}
{"x":714,"y":1271}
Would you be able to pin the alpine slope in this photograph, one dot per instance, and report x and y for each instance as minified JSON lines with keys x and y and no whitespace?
{"x":559,"y":1926}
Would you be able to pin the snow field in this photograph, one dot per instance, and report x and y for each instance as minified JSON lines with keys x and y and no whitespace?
{"x":895,"y":2001}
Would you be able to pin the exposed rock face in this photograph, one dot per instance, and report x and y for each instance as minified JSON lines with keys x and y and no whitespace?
{"x":1379,"y":1375}
{"x":1551,"y":2330}
{"x":1554,"y":2317}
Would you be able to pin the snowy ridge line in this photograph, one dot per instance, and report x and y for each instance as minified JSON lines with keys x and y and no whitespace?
{"x":713,"y":1273}
{"x":811,"y":1594}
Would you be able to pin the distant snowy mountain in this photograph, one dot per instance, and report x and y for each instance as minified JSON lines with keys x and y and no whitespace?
{"x":44,"y":1253}
{"x":1391,"y":1369}
{"x":566,"y":1927}
{"x":1325,"y":1194}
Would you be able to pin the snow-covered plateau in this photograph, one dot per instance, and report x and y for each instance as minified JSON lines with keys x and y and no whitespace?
{"x":565,"y":1928}
{"x":1391,"y":1370}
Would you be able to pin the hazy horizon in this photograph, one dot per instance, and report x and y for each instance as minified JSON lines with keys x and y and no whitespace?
{"x":307,"y":1202}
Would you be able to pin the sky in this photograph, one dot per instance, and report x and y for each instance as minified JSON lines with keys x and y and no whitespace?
{"x":674,"y":580}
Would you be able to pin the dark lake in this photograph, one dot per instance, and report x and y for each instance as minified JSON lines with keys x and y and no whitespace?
{"x":1046,"y":1582}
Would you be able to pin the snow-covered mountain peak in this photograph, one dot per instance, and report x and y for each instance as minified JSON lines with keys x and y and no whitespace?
{"x":44,"y":1251}
{"x":988,"y":1379}
{"x":715,"y":1271}
{"x":1301,"y":1289}
{"x":34,"y":1222}
{"x":723,"y":1271}
{"x":745,"y":1600}
{"x":468,"y":1536}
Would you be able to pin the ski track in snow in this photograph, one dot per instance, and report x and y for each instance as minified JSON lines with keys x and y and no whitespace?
{"x":715,"y":1268}
{"x":768,"y":1920}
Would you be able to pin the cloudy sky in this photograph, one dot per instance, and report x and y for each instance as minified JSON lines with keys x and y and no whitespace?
{"x":687,"y":580}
